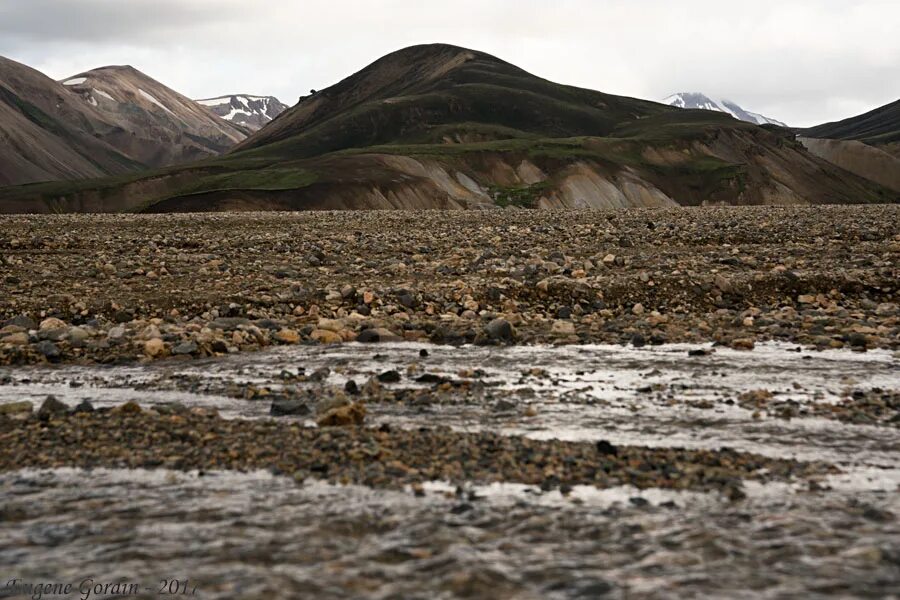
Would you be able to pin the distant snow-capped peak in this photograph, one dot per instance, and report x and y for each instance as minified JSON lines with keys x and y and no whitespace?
{"x":252,"y":112}
{"x":704,"y":102}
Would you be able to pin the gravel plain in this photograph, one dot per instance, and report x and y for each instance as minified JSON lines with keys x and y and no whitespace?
{"x":99,"y":288}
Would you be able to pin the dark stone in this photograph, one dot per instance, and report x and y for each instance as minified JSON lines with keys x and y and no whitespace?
{"x":84,"y":407}
{"x":289,"y":407}
{"x":564,"y":312}
{"x":494,"y":294}
{"x":23,"y":321}
{"x":171,"y":408}
{"x":54,"y":335}
{"x":423,"y":353}
{"x":219,"y":346}
{"x":122,"y":316}
{"x":638,"y":341}
{"x":228,"y":323}
{"x":698,"y":352}
{"x":351,"y":388}
{"x":639,"y":502}
{"x":407,"y":300}
{"x":52,"y":407}
{"x":605,"y":448}
{"x":431,"y":378}
{"x":364,"y":310}
{"x":858,"y":340}
{"x":368,"y":336}
{"x":499,"y":329}
{"x":504,"y":406}
{"x":269,"y":324}
{"x":185,"y":348}
{"x":594,"y":589}
{"x":320,"y":374}
{"x":48,"y":349}
{"x":391,"y":376}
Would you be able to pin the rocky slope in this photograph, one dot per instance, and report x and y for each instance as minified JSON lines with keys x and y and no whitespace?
{"x":701,"y":101}
{"x":46,"y":133}
{"x":250,"y":112}
{"x":857,"y":157}
{"x":154,"y":124}
{"x":867,"y":145}
{"x":445,"y":127}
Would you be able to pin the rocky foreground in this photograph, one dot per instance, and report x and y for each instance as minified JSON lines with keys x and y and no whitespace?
{"x":89,"y":288}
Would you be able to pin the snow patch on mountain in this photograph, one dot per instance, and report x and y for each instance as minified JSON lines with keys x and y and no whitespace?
{"x":75,"y":81}
{"x":695,"y":100}
{"x":154,"y":101}
{"x":104,"y":94}
{"x":253,"y":112}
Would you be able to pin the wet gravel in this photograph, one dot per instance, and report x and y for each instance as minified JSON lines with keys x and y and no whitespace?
{"x":128,"y":436}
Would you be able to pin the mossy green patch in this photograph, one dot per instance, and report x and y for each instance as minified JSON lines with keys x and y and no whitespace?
{"x":521,"y":196}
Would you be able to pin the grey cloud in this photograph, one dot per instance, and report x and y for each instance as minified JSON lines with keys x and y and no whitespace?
{"x":801,"y":61}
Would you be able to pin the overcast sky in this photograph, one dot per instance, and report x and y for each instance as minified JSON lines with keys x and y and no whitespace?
{"x":800,"y":61}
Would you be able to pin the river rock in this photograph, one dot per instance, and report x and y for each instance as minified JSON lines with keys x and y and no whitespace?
{"x":48,"y":349}
{"x":52,"y":407}
{"x":288,"y":336}
{"x":11,"y":408}
{"x":52,"y":323}
{"x":154,"y":347}
{"x":344,"y":416}
{"x":325,"y":336}
{"x":500,"y":330}
{"x":563,"y":328}
{"x":188,"y":347}
{"x":23,"y":321}
{"x":289,"y":407}
{"x":15,"y":339}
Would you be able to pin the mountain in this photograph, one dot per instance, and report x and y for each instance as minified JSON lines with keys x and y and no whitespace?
{"x":439,"y":126}
{"x":250,"y":112}
{"x":46,"y":133}
{"x":867,"y":145}
{"x":703,"y":102}
{"x":154,"y":124}
{"x":879,"y":127}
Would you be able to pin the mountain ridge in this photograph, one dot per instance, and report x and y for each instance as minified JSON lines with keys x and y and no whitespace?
{"x":439,"y":126}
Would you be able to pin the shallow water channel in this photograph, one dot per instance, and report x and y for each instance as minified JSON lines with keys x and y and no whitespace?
{"x":257,"y":535}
